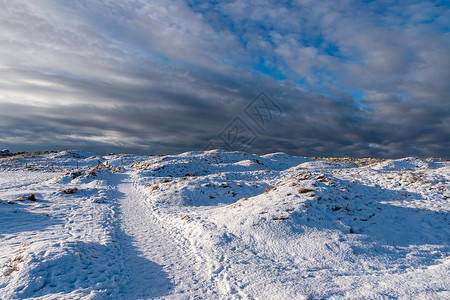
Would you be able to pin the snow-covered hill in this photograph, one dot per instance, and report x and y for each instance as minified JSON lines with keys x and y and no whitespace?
{"x":226,"y":225}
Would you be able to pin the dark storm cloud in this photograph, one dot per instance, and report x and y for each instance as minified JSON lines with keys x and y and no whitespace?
{"x":351,"y":78}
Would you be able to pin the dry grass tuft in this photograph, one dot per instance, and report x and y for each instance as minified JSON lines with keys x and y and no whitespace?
{"x":91,"y":173}
{"x":10,"y":269}
{"x":303,"y":176}
{"x":270,"y":188}
{"x":305,"y":190}
{"x":280,"y":218}
{"x":30,"y":197}
{"x":70,"y":190}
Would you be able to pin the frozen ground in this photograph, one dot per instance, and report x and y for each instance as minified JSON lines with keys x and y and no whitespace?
{"x":223,"y":225}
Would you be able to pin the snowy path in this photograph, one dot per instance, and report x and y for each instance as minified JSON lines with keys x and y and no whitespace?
{"x":158,"y":265}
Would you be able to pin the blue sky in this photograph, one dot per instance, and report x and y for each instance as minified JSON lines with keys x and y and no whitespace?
{"x":351,"y":78}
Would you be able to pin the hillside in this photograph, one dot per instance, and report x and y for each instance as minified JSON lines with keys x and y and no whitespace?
{"x":222,"y":224}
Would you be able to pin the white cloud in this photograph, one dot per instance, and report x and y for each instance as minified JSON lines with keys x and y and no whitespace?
{"x":160,"y":65}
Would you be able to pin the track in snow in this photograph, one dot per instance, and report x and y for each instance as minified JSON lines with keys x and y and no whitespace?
{"x":156,"y":263}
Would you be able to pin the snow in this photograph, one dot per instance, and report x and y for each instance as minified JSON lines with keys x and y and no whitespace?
{"x":220,"y":224}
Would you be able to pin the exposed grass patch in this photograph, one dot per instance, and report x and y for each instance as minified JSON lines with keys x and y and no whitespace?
{"x":91,"y":173}
{"x":270,"y":188}
{"x":280,"y":218}
{"x":70,"y":190}
{"x":305,"y":190}
{"x":30,"y":197}
{"x":10,"y":269}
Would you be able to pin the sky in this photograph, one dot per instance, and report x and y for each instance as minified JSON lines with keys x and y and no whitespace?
{"x":309,"y":78}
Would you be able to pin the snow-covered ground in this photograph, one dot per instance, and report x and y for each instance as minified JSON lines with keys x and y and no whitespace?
{"x":223,"y":225}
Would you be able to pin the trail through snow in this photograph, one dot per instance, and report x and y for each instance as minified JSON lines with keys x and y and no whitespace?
{"x":159,"y":264}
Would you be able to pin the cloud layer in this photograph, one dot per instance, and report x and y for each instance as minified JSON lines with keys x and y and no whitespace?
{"x":352,"y":78}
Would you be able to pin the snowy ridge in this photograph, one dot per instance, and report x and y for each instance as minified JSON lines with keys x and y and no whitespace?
{"x":220,"y":224}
